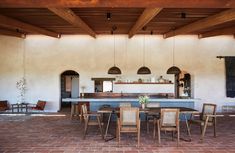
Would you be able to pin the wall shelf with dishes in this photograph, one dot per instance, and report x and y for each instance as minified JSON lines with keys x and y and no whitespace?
{"x":143,"y":83}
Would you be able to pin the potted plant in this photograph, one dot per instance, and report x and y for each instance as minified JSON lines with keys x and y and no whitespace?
{"x":143,"y":100}
{"x":21,"y":86}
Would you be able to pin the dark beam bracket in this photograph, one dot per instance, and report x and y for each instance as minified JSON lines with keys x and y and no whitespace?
{"x":223,"y":56}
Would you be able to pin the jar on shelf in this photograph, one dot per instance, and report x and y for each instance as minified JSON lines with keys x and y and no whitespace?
{"x":161,"y":80}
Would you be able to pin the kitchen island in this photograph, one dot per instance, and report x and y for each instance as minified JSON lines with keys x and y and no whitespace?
{"x":96,"y":103}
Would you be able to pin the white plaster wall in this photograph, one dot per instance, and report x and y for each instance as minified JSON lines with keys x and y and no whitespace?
{"x":47,"y":58}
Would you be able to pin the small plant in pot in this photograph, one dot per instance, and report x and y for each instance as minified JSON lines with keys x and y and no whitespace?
{"x":21,"y":86}
{"x":143,"y":100}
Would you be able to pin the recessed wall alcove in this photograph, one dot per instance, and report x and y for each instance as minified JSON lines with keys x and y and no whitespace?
{"x":69,"y":87}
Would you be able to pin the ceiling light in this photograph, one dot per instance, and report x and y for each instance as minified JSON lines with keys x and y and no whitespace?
{"x":143,"y":69}
{"x":174,"y":69}
{"x":114,"y":69}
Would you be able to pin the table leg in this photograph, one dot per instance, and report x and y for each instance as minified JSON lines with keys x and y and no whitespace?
{"x":188,"y":129}
{"x":107,"y":126}
{"x":18,"y":108}
{"x":72,"y":111}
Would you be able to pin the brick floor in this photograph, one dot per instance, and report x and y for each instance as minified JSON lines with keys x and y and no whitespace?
{"x":59,"y":134}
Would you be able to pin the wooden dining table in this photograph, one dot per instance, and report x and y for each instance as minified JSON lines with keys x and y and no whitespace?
{"x":153,"y":111}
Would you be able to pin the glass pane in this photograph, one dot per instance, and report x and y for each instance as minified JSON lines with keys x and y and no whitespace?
{"x":107,"y":86}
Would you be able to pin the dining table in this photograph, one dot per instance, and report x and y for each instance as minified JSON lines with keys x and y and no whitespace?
{"x":184,"y":111}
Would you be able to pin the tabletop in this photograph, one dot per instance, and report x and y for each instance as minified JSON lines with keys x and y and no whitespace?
{"x":147,"y":110}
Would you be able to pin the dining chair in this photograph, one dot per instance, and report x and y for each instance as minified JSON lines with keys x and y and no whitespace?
{"x":91,"y":122}
{"x":206,"y":118}
{"x":169,"y":121}
{"x":151,"y":115}
{"x":129,"y":122}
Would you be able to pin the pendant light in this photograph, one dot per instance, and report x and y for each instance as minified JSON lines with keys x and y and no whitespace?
{"x":143,"y":70}
{"x":174,"y":69}
{"x":114,"y":70}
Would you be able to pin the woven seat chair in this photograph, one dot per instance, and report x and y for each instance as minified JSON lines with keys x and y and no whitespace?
{"x":206,"y":118}
{"x":169,"y":121}
{"x":129,"y":122}
{"x":88,"y":122}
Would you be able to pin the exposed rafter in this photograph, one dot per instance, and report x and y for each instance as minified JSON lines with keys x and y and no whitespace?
{"x":12,"y":33}
{"x":119,"y":3}
{"x":217,"y":32}
{"x":222,"y":17}
{"x":9,"y":22}
{"x":73,"y":19}
{"x":145,"y":17}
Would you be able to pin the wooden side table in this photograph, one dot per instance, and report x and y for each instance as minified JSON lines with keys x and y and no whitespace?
{"x":19,"y":107}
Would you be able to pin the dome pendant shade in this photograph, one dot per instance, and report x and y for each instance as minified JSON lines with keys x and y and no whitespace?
{"x":144,"y":70}
{"x":173,"y":70}
{"x":114,"y":70}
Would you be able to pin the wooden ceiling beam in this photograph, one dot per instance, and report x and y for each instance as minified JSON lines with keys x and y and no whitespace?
{"x":9,"y":22}
{"x":222,"y":17}
{"x":12,"y":33}
{"x":118,"y":3}
{"x":147,"y":15}
{"x":69,"y":16}
{"x":217,"y":32}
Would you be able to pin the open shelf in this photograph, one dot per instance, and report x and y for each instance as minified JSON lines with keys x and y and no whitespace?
{"x":143,"y":83}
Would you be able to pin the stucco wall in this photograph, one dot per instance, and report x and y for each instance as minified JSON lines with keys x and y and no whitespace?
{"x":46,"y":58}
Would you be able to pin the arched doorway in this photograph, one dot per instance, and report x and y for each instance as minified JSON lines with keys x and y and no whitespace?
{"x":69,"y":87}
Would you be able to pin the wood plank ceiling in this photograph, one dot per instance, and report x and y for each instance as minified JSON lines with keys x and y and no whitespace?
{"x":131,"y":20}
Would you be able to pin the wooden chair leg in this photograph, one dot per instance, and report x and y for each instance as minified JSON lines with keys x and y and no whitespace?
{"x":85,"y":129}
{"x":154,"y":127}
{"x":204,"y":128}
{"x":178,"y":135}
{"x":214,"y":128}
{"x":138,"y":135}
{"x":147,"y":122}
{"x":158,"y":131}
{"x":72,"y":111}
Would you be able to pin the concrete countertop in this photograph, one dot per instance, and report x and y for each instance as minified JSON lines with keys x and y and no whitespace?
{"x":125,"y":99}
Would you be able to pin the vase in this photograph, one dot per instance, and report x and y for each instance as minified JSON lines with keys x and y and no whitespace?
{"x":143,"y":106}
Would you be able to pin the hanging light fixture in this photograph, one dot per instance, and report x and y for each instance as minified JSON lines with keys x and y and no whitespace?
{"x":143,"y":69}
{"x":114,"y":70}
{"x":174,"y":69}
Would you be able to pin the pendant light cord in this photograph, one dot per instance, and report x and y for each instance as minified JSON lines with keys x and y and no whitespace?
{"x":114,"y":50}
{"x":144,"y":51}
{"x":173,"y":51}
{"x":23,"y":64}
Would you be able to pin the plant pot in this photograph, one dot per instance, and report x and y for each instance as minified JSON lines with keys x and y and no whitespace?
{"x":143,"y":106}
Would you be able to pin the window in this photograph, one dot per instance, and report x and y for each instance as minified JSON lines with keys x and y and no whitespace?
{"x":230,"y":76}
{"x":103,"y":84}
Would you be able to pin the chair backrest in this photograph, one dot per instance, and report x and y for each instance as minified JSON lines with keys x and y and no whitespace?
{"x":3,"y":105}
{"x":129,"y":116}
{"x":84,"y":109}
{"x":153,"y":105}
{"x":125,"y":105}
{"x":41,"y":104}
{"x":169,"y":118}
{"x":208,"y":109}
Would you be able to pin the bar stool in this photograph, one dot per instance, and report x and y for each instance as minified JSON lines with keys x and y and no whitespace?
{"x":76,"y":109}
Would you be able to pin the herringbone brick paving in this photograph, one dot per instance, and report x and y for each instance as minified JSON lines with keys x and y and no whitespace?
{"x":59,"y":134}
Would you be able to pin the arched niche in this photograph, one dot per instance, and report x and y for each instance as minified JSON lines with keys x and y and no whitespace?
{"x":69,"y":87}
